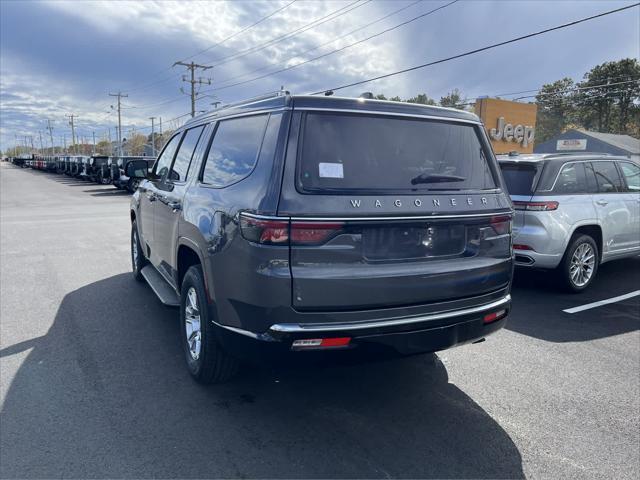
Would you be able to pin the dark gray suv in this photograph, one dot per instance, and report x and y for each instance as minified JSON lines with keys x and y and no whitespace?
{"x":291,"y":224}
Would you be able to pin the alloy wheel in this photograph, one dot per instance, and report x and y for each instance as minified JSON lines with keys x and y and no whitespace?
{"x":192,"y":324}
{"x":582,"y":265}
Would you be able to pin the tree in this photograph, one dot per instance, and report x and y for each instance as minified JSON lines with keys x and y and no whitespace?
{"x":606,"y":104}
{"x":555,"y":108}
{"x":454,"y":99}
{"x":135,"y":144}
{"x":421,"y":98}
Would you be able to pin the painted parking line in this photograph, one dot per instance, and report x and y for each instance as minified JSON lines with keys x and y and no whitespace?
{"x":602,"y":302}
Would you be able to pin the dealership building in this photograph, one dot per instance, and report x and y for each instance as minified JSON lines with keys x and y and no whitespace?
{"x":575,"y":140}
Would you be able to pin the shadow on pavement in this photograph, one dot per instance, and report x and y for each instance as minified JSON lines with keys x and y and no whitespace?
{"x":105,"y":394}
{"x":538,"y":304}
{"x":111,"y":193}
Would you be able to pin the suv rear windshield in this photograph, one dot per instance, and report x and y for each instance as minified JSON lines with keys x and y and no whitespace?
{"x":354,"y":152}
{"x":519,"y":177}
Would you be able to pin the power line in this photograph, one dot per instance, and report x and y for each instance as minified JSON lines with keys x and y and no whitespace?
{"x":240,"y":31}
{"x":327,"y":18}
{"x":333,"y":40}
{"x":478,"y":50}
{"x":172,"y":76}
{"x":402,"y":24}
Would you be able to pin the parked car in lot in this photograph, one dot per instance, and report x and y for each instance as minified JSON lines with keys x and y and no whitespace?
{"x":96,"y":169}
{"x":131,"y":171}
{"x":573,"y":212}
{"x":288,"y":224}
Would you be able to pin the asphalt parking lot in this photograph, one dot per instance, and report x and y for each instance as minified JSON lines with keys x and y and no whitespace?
{"x":93,"y":383}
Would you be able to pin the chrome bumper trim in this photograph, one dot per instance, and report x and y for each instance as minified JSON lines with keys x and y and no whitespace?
{"x":334,"y":327}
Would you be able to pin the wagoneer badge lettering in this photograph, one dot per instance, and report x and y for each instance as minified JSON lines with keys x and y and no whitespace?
{"x":357,"y":203}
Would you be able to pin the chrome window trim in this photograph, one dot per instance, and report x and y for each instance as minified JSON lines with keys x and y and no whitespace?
{"x":333,"y":327}
{"x":365,"y":219}
{"x":387,"y":114}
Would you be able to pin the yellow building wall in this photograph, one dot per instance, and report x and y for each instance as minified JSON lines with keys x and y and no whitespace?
{"x":510,"y":125}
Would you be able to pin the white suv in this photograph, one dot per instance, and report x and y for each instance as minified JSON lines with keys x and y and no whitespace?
{"x":573,"y":212}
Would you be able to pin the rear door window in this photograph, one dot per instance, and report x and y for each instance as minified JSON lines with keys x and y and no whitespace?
{"x":631,"y":173}
{"x":607,"y":177}
{"x":572,"y":179}
{"x":163,"y":163}
{"x":519,"y":178}
{"x":234,"y":150}
{"x":354,"y":152}
{"x":180,"y":167}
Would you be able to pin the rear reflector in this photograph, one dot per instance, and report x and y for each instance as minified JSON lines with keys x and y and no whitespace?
{"x":317,"y":343}
{"x":492,"y":317}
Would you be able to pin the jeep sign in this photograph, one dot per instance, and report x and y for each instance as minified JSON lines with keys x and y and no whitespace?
{"x":511,"y":126}
{"x":510,"y":133}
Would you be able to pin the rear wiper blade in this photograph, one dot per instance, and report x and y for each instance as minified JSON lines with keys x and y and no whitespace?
{"x":436,"y":178}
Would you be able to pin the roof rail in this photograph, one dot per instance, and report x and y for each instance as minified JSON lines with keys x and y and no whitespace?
{"x":264,"y":96}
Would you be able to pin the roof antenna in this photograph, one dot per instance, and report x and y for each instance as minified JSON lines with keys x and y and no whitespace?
{"x":328,"y":93}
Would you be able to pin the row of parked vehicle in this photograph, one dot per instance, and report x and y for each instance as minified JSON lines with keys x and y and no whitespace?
{"x":124,"y":173}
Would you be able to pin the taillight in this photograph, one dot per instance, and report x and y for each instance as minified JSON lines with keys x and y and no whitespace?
{"x":501,"y":224}
{"x":519,"y":246}
{"x":265,"y":231}
{"x":313,"y":233}
{"x":282,"y":232}
{"x":536,"y":206}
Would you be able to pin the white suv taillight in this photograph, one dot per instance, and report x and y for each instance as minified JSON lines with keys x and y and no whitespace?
{"x":536,"y":206}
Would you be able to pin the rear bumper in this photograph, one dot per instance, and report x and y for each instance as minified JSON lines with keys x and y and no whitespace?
{"x":405,"y":335}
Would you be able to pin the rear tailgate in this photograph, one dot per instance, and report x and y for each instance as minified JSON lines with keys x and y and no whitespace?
{"x":520,"y":179}
{"x":384,"y":263}
{"x":392,"y":212}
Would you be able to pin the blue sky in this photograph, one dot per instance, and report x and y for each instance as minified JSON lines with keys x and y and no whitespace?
{"x":58,"y":58}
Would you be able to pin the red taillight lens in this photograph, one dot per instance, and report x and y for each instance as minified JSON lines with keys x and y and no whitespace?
{"x":518,"y":246}
{"x":264,"y":231}
{"x":501,"y":225}
{"x":280,"y":232}
{"x":492,"y":317}
{"x":313,"y":233}
{"x":536,"y":206}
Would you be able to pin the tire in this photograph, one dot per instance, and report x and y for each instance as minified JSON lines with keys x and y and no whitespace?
{"x":132,"y":185}
{"x":138,"y":260}
{"x":206,"y":361}
{"x":579,"y":265}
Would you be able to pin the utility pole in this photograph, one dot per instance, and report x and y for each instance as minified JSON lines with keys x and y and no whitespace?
{"x":94,"y":142}
{"x":119,"y":95}
{"x":64,"y":139}
{"x":41,"y":147}
{"x":53,"y":148}
{"x":192,"y":67}
{"x":153,"y":136}
{"x":73,"y":133}
{"x":160,"y":126}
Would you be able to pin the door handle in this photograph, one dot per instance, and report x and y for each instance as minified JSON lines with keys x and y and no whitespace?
{"x":602,"y":203}
{"x":174,"y":205}
{"x":152,"y":197}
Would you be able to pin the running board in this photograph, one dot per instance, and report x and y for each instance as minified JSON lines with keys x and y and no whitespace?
{"x":160,"y":286}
